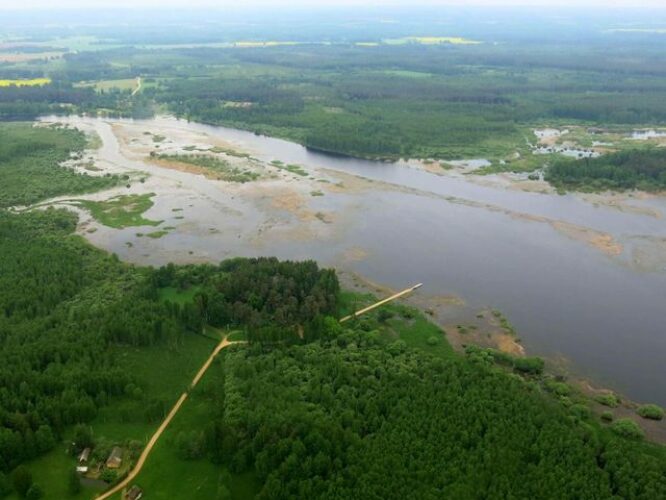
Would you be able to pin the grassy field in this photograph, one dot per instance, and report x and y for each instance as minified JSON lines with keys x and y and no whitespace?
{"x":398,"y":321}
{"x":176,"y":296}
{"x":167,"y":476}
{"x":128,"y":84}
{"x":121,"y":211}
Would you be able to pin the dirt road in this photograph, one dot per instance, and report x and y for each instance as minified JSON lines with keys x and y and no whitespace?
{"x":153,"y":440}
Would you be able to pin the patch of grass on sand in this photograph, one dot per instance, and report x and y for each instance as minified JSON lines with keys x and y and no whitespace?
{"x":121,"y":211}
{"x":157,"y":234}
{"x":216,"y":168}
{"x":294,"y":169}
{"x":228,"y":152}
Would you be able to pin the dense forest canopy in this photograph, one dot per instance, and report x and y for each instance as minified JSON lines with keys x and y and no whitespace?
{"x":636,"y":169}
{"x":353,"y":417}
{"x":30,"y":164}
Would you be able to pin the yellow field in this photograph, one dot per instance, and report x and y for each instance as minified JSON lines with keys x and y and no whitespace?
{"x":433,"y":40}
{"x":25,"y":83}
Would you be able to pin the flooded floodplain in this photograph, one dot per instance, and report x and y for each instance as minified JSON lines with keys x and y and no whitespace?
{"x":581,"y":278}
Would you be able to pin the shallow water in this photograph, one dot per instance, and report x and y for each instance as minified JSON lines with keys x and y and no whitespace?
{"x":490,"y":246}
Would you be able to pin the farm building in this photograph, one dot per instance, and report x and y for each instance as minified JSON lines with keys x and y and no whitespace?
{"x":135,"y":493}
{"x":115,"y":460}
{"x":84,"y":456}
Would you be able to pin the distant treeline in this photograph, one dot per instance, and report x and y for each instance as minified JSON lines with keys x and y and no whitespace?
{"x":385,"y":101}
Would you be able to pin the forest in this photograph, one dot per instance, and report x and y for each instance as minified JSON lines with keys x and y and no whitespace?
{"x":30,"y":164}
{"x":643,"y":169}
{"x":384,"y":101}
{"x":63,"y":303}
{"x":328,"y":419}
{"x":313,"y":409}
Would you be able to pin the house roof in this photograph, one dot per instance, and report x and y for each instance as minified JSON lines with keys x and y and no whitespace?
{"x":116,"y":455}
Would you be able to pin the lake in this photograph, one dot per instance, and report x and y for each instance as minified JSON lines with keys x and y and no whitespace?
{"x":579,"y":278}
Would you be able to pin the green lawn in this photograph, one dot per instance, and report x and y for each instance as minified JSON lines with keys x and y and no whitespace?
{"x":173,"y":294}
{"x":398,"y":322}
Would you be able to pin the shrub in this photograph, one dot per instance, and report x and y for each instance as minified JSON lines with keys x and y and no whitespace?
{"x":559,"y":388}
{"x":432,"y":340}
{"x":384,"y":314}
{"x":581,"y":411}
{"x":532,"y":366}
{"x":34,"y":493}
{"x":5,"y":486}
{"x":627,"y":428}
{"x":608,"y":399}
{"x":108,"y":475}
{"x":607,"y":416}
{"x":22,"y":480}
{"x":653,"y":412}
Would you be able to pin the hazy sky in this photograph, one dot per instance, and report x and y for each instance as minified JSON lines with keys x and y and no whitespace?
{"x":54,"y":4}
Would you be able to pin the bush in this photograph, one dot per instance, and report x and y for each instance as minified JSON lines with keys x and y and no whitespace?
{"x":5,"y":486}
{"x":559,"y":388}
{"x":653,"y":412}
{"x":533,"y":366}
{"x":581,"y":411}
{"x":108,"y":476}
{"x":627,"y":428}
{"x":608,"y":399}
{"x":607,"y":416}
{"x":34,"y":493}
{"x":22,"y":480}
{"x":383,"y":315}
{"x":432,"y":340}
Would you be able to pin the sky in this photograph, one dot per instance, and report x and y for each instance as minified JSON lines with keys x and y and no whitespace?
{"x":56,"y":4}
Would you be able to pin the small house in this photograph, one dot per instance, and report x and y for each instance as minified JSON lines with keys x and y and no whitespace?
{"x":115,"y":459}
{"x":135,"y":493}
{"x":82,"y":469}
{"x":84,"y":456}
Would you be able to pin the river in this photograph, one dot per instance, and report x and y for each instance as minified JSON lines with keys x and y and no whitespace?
{"x":603,"y":311}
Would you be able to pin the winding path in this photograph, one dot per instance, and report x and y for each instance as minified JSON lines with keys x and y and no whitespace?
{"x":153,"y":440}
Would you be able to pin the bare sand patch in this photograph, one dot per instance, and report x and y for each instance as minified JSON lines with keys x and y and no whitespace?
{"x":622,"y":203}
{"x":355,"y":254}
{"x":603,"y":242}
